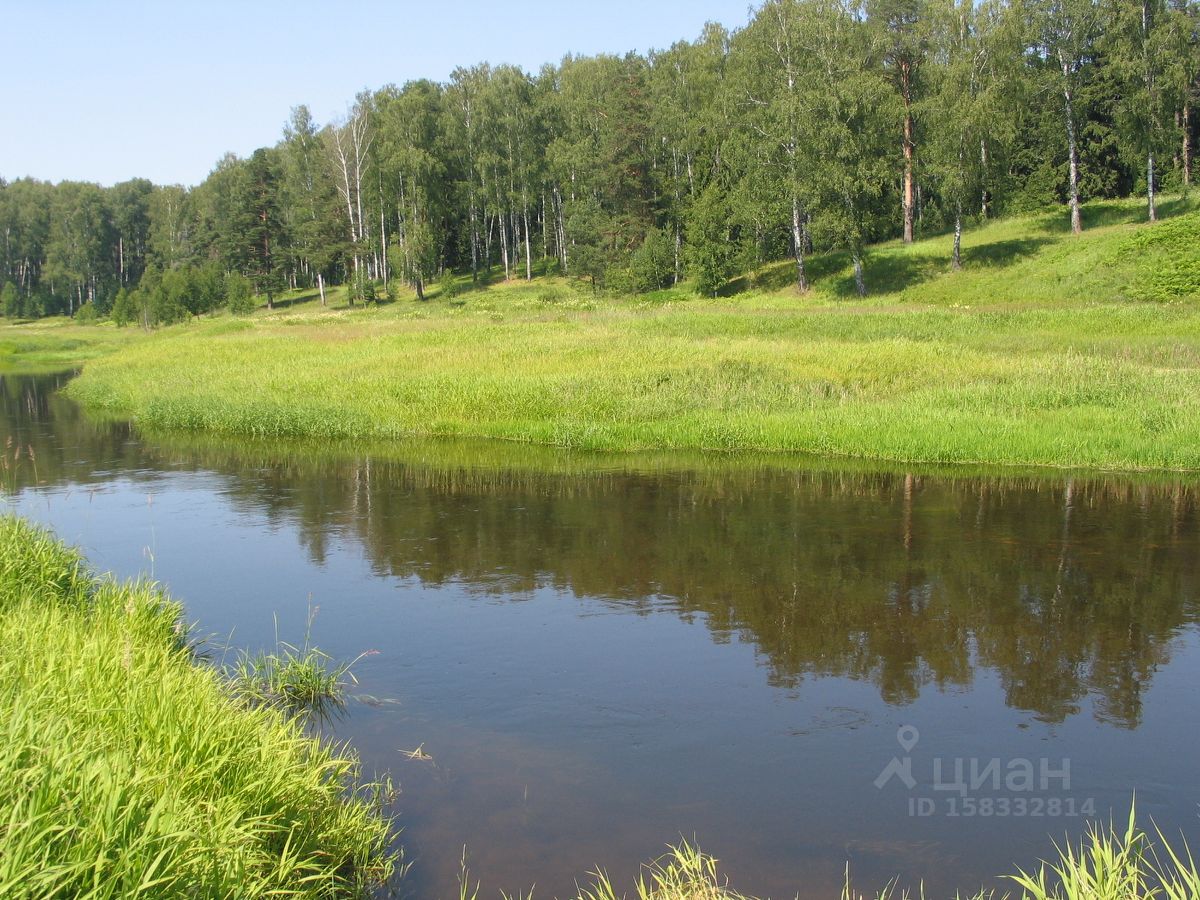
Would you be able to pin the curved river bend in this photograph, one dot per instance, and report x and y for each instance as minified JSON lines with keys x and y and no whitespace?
{"x":603,"y":655}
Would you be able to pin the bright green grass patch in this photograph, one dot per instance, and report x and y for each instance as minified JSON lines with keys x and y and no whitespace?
{"x":53,"y":345}
{"x":1043,"y":351}
{"x":301,"y":679}
{"x":129,"y":770}
{"x":1113,"y":386}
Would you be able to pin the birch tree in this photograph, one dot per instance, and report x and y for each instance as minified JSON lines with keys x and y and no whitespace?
{"x":462,"y":137}
{"x":171,"y":226}
{"x":691,"y":125}
{"x":309,"y":202}
{"x":972,"y":102}
{"x":129,"y":211}
{"x":413,"y":176}
{"x":1181,"y":74}
{"x":1139,"y":46}
{"x":775,"y":83}
{"x":848,"y":106}
{"x":77,"y":241}
{"x":348,"y":147}
{"x":1064,"y":33}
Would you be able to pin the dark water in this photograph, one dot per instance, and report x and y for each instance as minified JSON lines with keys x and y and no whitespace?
{"x":603,"y":655}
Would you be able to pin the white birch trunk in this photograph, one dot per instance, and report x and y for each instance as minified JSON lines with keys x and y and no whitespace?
{"x":1072,"y":149}
{"x":798,"y":240}
{"x":528,"y":255}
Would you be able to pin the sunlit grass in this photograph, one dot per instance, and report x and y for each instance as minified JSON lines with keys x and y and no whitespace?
{"x":53,"y":345}
{"x":1115,"y":863}
{"x":127,"y":769}
{"x":683,"y":873}
{"x":1043,"y":351}
{"x":1109,"y":863}
{"x":1111,"y":386}
{"x":300,"y":677}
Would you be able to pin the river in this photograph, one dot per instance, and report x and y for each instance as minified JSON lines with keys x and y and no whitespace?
{"x":791,"y":662}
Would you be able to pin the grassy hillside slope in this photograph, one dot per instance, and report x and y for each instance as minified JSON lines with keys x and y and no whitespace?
{"x":1044,"y":350}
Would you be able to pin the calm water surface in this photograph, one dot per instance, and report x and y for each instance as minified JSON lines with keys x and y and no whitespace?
{"x":602,"y":656}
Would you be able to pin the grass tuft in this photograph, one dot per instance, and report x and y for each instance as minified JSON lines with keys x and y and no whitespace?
{"x":1109,"y":863}
{"x":683,"y":873}
{"x":302,"y":679}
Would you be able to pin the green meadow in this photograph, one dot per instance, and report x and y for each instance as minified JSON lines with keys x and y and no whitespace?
{"x":1044,"y":350}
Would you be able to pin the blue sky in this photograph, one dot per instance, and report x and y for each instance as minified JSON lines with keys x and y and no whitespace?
{"x":107,"y":91}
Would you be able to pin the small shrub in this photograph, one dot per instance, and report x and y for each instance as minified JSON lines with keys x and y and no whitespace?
{"x":447,"y":286}
{"x":652,"y":265}
{"x":238,"y":295}
{"x":10,"y":300}
{"x":125,"y":307}
{"x":301,"y":680}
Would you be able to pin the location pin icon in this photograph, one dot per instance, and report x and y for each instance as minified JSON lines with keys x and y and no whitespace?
{"x":908,"y":736}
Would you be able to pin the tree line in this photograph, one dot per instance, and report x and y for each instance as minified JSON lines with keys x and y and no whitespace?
{"x":819,"y":124}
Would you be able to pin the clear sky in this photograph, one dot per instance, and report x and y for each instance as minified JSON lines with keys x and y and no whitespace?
{"x":105,"y":91}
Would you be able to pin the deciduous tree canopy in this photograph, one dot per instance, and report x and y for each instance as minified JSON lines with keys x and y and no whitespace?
{"x":819,"y":124}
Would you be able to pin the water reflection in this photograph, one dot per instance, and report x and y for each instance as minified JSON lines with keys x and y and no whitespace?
{"x":604,"y":653}
{"x":1064,"y":587}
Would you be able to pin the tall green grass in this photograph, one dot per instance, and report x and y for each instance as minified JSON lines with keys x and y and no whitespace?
{"x":1115,"y":863}
{"x":683,"y":873}
{"x":129,"y":770}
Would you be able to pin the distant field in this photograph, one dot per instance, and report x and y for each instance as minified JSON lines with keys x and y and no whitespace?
{"x":1044,"y":350}
{"x":52,"y":345}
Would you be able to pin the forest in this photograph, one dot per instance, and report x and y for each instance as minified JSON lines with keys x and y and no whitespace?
{"x":820,"y":124}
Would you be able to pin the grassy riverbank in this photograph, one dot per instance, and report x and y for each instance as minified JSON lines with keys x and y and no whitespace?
{"x":1045,"y":350}
{"x":127,"y":769}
